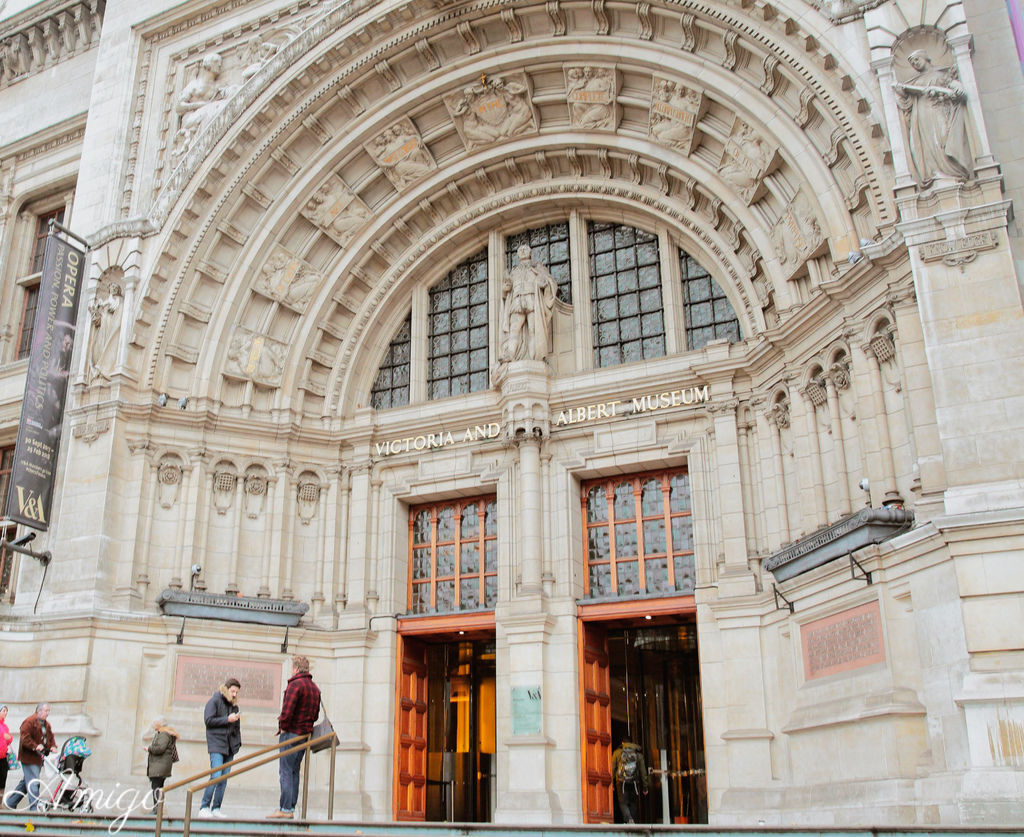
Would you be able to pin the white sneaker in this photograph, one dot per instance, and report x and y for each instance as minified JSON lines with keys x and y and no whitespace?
{"x":217,"y":812}
{"x":205,"y":813}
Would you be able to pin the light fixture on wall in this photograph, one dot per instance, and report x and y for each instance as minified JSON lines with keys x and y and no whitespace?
{"x":182,"y":402}
{"x":161,"y":399}
{"x":865,"y":486}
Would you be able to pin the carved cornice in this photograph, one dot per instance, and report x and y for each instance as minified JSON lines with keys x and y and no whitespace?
{"x":46,"y":35}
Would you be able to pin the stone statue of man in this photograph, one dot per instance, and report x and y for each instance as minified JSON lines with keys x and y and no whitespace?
{"x":528,"y":296}
{"x":933,"y":105}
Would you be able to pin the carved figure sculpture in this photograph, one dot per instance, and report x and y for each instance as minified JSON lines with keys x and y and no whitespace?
{"x":591,"y":96}
{"x":674,"y":110}
{"x":337,"y":211}
{"x":399,"y":151}
{"x":744,"y":161}
{"x":797,"y":234}
{"x":932,"y":102}
{"x":105,"y":316}
{"x":288,"y":279}
{"x":257,"y":53}
{"x":528,"y":295}
{"x":200,"y":101}
{"x":256,"y":357}
{"x":492,"y":110}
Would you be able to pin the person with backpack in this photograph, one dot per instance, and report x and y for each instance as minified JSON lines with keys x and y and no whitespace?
{"x":630,"y":772}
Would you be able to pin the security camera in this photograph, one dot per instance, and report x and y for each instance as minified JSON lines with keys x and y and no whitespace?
{"x":196,"y":569}
{"x":864,"y":484}
{"x":24,"y":540}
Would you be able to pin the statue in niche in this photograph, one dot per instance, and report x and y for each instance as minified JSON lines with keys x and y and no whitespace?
{"x":400,"y":153}
{"x":674,"y":110}
{"x":590,"y":93}
{"x":201,"y":100}
{"x":932,"y":102}
{"x":492,"y":110}
{"x":288,"y":279}
{"x":528,"y":296}
{"x":105,"y":318}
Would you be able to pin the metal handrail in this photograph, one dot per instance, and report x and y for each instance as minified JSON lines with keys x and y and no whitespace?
{"x":306,"y":744}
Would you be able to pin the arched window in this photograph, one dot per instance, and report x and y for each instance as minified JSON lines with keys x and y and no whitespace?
{"x":625,"y":294}
{"x":391,"y":389}
{"x":458,"y":331}
{"x":708,"y":313}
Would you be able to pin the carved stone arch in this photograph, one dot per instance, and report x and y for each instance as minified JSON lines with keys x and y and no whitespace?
{"x":222,"y":194}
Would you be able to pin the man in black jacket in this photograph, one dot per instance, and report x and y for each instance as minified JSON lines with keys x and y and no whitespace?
{"x":223,"y":740}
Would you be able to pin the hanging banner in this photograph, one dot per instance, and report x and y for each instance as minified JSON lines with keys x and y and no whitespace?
{"x":46,"y":384}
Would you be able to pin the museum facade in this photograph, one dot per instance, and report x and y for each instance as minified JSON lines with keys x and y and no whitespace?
{"x":363,"y":282}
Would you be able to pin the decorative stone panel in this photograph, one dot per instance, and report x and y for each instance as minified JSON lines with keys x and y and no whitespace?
{"x":288,"y":279}
{"x":401,"y":154}
{"x":493,"y":109}
{"x":256,"y":357}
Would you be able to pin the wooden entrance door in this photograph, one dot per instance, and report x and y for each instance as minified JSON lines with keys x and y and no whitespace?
{"x":411,"y":732}
{"x":596,"y":724}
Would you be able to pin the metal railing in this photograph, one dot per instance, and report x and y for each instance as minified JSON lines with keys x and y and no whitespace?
{"x":305,"y":743}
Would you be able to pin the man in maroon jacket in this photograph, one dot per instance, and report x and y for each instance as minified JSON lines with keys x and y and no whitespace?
{"x":299,"y":711}
{"x":36,"y":742}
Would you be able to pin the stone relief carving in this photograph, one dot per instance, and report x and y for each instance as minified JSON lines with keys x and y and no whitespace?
{"x":528,"y":295}
{"x":307,"y":498}
{"x":256,"y":357}
{"x":105,"y":314}
{"x":493,"y":109}
{"x":797,"y":235}
{"x":400,"y":152}
{"x":257,"y":52}
{"x":675,"y":110}
{"x":778,"y":414}
{"x":932,"y":102}
{"x":337,"y":211}
{"x":746,"y":159}
{"x":288,"y":279}
{"x":168,"y":478}
{"x":200,"y":101}
{"x":590,"y":94}
{"x":224,"y":483}
{"x":254,"y":490}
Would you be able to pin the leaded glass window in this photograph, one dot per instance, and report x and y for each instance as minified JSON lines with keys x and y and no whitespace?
{"x":638,"y":532}
{"x":625,"y":294}
{"x":550,"y":247}
{"x":453,"y":560}
{"x":458,"y":331}
{"x":708,"y":313}
{"x":391,"y":389}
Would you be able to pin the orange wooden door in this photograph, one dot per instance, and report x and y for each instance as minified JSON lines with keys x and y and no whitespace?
{"x":411,"y":732}
{"x":596,"y":724}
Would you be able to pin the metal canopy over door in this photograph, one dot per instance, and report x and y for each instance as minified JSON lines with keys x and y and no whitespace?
{"x":411,"y":732}
{"x":596,"y":723}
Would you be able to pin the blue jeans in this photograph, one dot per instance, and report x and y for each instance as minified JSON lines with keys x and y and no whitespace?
{"x":28,"y":786}
{"x":289,"y":770}
{"x":214,"y":794}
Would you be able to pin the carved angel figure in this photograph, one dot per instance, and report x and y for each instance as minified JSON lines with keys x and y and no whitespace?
{"x":932,"y":102}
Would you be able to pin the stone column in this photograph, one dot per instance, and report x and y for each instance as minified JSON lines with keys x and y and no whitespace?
{"x":735,"y":578}
{"x":778,"y":418}
{"x":878,"y":350}
{"x":838,"y":378}
{"x":814,"y":396}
